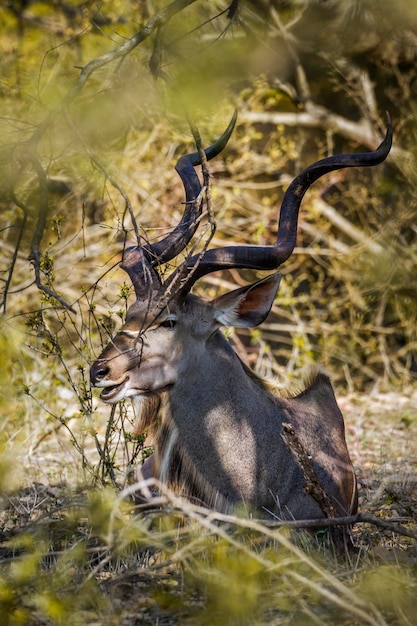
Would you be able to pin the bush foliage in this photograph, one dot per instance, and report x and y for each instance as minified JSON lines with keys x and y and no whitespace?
{"x":95,"y":101}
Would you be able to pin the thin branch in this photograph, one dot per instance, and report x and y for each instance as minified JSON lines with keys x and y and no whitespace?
{"x":159,"y":19}
{"x":313,"y":486}
{"x":319,"y":117}
{"x":95,"y":161}
{"x":168,"y":502}
{"x":8,"y":280}
{"x":35,"y":254}
{"x":345,"y":226}
{"x":304,"y":93}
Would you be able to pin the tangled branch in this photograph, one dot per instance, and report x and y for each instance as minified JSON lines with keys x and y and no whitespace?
{"x":154,"y":23}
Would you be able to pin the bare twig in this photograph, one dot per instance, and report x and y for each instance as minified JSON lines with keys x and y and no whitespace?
{"x":7,"y":281}
{"x":313,"y":486}
{"x":35,"y":254}
{"x":346,"y":226}
{"x":317,"y":117}
{"x":170,"y":503}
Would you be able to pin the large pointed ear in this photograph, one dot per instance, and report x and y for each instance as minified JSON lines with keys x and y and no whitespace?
{"x":247,"y":306}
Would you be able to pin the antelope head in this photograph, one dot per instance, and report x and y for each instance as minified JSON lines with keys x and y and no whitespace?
{"x":166,"y":320}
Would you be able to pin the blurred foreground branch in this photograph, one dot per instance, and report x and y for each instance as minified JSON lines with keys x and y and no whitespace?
{"x":31,"y":156}
{"x":170,"y":502}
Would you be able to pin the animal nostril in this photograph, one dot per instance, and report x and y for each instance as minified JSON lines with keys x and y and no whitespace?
{"x":98,"y":372}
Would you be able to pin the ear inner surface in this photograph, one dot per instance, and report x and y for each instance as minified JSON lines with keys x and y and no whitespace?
{"x":247,"y":306}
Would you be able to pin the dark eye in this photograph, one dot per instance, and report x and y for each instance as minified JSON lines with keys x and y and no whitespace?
{"x":168,"y":323}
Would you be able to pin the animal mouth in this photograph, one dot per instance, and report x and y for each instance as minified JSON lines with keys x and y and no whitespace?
{"x":112,"y":393}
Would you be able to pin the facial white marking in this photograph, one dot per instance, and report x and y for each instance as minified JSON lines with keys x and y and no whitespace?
{"x":130,"y":333}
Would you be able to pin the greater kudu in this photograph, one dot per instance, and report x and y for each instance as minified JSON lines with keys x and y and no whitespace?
{"x":217,"y":427}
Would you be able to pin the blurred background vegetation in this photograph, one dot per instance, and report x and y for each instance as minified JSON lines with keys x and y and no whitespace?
{"x":94,"y":99}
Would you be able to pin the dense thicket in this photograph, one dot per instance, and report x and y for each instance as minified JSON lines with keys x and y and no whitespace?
{"x":95,"y":103}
